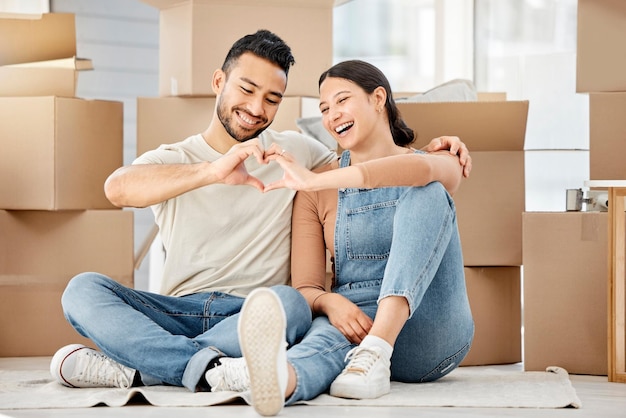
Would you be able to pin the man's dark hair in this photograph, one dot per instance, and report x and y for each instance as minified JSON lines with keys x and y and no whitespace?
{"x":263,"y":44}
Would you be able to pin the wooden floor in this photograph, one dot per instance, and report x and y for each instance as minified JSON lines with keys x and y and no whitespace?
{"x":599,"y":399}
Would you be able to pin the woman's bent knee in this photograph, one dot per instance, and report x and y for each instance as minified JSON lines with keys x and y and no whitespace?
{"x":290,"y":298}
{"x":297,"y":311}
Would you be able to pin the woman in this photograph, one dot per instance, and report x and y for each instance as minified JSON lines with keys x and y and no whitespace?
{"x":398,"y":284}
{"x":398,"y":307}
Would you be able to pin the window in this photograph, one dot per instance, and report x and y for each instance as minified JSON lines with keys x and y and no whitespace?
{"x":416,"y":43}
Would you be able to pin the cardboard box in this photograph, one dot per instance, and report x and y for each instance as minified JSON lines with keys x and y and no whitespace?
{"x":58,"y":152}
{"x":60,"y":244}
{"x":165,"y":120}
{"x":565,"y":291}
{"x":195,"y":36}
{"x":491,"y":201}
{"x":31,"y":37}
{"x":607,"y":136}
{"x":44,"y":78}
{"x":40,"y":251}
{"x":601,"y":51}
{"x":33,"y":323}
{"x":495,"y":299}
{"x":293,"y":108}
{"x":488,"y":96}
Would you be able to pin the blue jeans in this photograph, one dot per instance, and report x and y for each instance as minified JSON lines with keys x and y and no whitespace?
{"x":168,"y":340}
{"x":400,"y":241}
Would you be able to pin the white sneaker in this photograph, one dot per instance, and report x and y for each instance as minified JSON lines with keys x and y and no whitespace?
{"x":261,"y":330}
{"x":229,"y":374}
{"x":78,"y":366}
{"x":367,"y":375}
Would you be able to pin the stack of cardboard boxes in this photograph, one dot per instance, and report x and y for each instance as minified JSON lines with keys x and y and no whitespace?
{"x":566,"y":254}
{"x":57,"y":150}
{"x":601,"y":72}
{"x":194,"y":38}
{"x":489,"y":208}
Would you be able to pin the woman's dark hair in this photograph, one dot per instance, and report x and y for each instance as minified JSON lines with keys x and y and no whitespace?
{"x":368,"y":77}
{"x":263,"y":44}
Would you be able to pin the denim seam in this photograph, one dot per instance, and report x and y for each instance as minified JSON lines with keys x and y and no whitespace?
{"x":446,"y":362}
{"x":419,"y":281}
{"x":151,"y":306}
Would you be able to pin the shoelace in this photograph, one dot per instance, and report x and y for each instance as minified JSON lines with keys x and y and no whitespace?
{"x":98,"y":369}
{"x":361,"y":360}
{"x":234,"y":375}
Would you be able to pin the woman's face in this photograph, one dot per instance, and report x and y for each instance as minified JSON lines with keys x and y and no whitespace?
{"x":348,"y":112}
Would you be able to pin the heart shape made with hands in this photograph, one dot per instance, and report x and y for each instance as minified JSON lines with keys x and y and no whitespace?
{"x":239,"y":174}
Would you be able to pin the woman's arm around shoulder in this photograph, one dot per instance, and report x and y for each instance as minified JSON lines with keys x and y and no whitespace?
{"x":415,"y":169}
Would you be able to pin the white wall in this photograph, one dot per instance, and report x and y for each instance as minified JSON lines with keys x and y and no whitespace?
{"x":527,"y":48}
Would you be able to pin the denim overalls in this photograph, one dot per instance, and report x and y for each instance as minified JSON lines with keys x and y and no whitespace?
{"x":395,"y":241}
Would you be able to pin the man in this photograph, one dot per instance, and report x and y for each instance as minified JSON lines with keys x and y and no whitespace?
{"x":221,"y":241}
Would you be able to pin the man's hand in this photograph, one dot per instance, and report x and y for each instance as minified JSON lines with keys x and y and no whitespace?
{"x":456,"y":147}
{"x":230,"y":168}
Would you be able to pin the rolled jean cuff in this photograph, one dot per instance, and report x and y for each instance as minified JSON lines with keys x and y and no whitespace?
{"x":148,"y":380}
{"x":197,"y":366}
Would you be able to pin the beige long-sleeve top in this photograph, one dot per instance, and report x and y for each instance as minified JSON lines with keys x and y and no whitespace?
{"x":314,"y":213}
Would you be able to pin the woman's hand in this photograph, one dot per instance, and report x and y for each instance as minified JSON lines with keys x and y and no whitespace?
{"x":344,"y":315}
{"x":295,"y":176}
{"x":456,"y":147}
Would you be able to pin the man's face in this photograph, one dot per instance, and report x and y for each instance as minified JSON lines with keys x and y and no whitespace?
{"x":248,"y":97}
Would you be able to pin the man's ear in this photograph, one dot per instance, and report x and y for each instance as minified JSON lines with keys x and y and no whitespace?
{"x":219,"y":79}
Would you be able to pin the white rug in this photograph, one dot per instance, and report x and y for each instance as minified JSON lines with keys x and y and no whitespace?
{"x":483,"y":387}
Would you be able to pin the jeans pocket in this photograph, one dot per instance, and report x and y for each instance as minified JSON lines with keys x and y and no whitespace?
{"x":369,"y":231}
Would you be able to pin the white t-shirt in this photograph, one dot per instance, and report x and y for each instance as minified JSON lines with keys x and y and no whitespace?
{"x":225,"y":238}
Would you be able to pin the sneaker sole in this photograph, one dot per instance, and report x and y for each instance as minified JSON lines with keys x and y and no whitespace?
{"x":261,"y":333}
{"x":355,"y":392}
{"x":56,"y":364}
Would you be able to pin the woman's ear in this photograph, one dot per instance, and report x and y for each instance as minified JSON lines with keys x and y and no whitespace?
{"x":380,"y":97}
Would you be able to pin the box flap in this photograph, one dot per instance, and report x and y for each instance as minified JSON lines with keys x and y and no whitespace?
{"x":73,"y":63}
{"x":165,"y":4}
{"x":43,"y":78}
{"x":36,"y":81}
{"x":482,"y":125}
{"x":28,"y":37}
